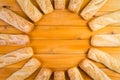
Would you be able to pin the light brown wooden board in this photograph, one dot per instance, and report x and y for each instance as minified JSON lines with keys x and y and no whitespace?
{"x":60,"y":39}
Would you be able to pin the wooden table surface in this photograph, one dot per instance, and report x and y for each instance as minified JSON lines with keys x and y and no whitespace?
{"x":60,"y":39}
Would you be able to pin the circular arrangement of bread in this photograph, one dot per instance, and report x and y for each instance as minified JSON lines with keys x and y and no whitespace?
{"x":33,"y":63}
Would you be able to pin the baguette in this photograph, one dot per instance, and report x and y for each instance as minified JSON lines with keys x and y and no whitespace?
{"x":15,"y":20}
{"x":59,"y":75}
{"x":44,"y":74}
{"x":14,"y":40}
{"x":74,"y":5}
{"x":59,"y":4}
{"x":15,"y":56}
{"x":107,"y":40}
{"x":104,"y":58}
{"x":104,"y":20}
{"x":74,"y":74}
{"x":45,"y":5}
{"x":30,"y":10}
{"x":92,"y":8}
{"x":93,"y":71}
{"x":28,"y":69}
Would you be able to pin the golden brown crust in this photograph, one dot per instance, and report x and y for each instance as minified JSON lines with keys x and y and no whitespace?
{"x":28,"y":69}
{"x":104,"y":58}
{"x":74,"y":5}
{"x":74,"y":74}
{"x":15,"y":56}
{"x":93,"y":71}
{"x":30,"y":10}
{"x":15,"y":20}
{"x":104,"y":20}
{"x":106,"y":40}
{"x":45,"y":5}
{"x":44,"y":74}
{"x":14,"y":40}
{"x":59,"y":4}
{"x":59,"y":75}
{"x":92,"y":8}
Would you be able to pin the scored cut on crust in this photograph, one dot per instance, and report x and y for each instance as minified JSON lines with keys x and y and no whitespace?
{"x":75,"y":5}
{"x":44,"y":74}
{"x":30,"y":10}
{"x":45,"y":5}
{"x":106,"y":40}
{"x":93,"y":71}
{"x":74,"y":74}
{"x":59,"y":75}
{"x":92,"y":8}
{"x":15,"y":56}
{"x":104,"y":58}
{"x":28,"y":69}
{"x":59,"y":4}
{"x":104,"y":20}
{"x":15,"y":20}
{"x":14,"y":40}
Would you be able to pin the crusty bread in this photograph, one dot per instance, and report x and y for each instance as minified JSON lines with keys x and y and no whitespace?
{"x":28,"y":69}
{"x":93,"y":71}
{"x":74,"y":74}
{"x":30,"y":10}
{"x":59,"y":4}
{"x":106,"y":40}
{"x":13,"y":40}
{"x":15,"y":56}
{"x":44,"y":74}
{"x":104,"y":20}
{"x":59,"y":75}
{"x":45,"y":5}
{"x":92,"y":8}
{"x":104,"y":58}
{"x":75,"y":5}
{"x":15,"y":20}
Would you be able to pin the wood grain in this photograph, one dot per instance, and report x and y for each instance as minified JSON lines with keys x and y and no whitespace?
{"x":60,"y":39}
